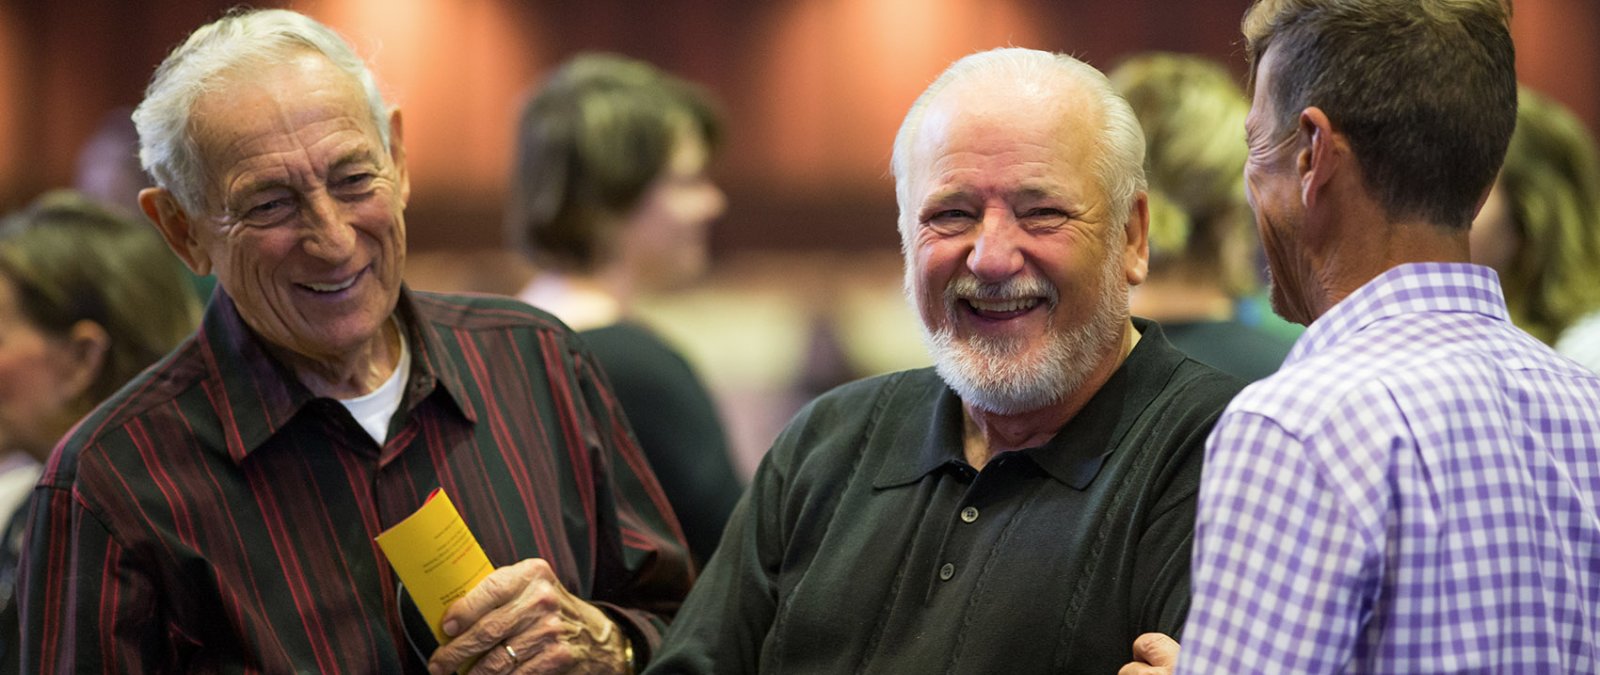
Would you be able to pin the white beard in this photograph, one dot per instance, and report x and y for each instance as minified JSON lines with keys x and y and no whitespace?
{"x":995,"y":375}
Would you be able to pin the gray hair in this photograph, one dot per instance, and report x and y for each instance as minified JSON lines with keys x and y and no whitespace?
{"x":1118,"y":161}
{"x":167,"y":149}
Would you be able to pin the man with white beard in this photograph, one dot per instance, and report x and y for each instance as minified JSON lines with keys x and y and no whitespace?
{"x":1027,"y":504}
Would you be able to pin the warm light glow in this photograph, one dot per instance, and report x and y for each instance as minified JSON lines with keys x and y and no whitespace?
{"x":841,"y":74}
{"x":458,"y":70}
{"x":1551,"y":39}
{"x":11,"y":97}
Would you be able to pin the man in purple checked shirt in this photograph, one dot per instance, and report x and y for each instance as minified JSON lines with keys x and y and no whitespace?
{"x":1418,"y":489}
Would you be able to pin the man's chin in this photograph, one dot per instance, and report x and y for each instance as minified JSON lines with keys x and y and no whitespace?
{"x":1002,"y":379}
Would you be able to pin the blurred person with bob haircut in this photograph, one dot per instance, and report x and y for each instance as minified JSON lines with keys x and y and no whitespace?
{"x":1414,"y":491}
{"x":88,"y":299}
{"x":610,"y":199}
{"x":219,"y":512}
{"x":1540,"y":229}
{"x":1202,"y":251}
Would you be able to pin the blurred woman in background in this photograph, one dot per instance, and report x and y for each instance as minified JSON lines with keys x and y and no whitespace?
{"x":1540,"y":229}
{"x":88,"y":298}
{"x":1202,"y":244}
{"x":610,"y":199}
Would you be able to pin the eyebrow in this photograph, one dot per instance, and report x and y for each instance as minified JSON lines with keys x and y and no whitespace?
{"x":355,"y":156}
{"x":946,"y":196}
{"x":1035,"y":192}
{"x":1024,"y":193}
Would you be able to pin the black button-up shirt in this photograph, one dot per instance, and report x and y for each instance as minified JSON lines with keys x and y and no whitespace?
{"x":868,"y":544}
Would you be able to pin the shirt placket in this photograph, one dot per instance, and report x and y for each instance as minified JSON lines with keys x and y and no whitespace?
{"x":973,"y":525}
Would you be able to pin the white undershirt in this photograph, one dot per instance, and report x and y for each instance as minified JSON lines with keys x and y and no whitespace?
{"x":373,"y":410}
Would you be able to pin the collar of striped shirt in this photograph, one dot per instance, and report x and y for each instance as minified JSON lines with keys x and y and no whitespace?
{"x":262,"y":395}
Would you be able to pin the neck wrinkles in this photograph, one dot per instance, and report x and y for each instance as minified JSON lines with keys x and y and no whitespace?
{"x":350,"y":375}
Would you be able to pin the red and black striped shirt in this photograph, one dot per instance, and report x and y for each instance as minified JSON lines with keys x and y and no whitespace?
{"x":215,"y":515}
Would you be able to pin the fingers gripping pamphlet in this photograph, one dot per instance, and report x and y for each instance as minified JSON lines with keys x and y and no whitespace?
{"x":436,"y":557}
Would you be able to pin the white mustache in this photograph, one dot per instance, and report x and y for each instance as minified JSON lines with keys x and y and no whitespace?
{"x":1016,"y":288}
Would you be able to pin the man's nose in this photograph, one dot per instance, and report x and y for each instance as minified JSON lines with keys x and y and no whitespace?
{"x":328,"y":235}
{"x":996,"y":252}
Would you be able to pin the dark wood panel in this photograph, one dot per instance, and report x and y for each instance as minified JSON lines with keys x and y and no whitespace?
{"x":813,"y":88}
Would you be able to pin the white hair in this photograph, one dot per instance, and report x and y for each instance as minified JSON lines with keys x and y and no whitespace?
{"x":167,"y":148}
{"x":1119,"y":156}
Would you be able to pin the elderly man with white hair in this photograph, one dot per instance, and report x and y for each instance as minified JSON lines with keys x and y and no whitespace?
{"x":1025,"y":505}
{"x":218,"y":514}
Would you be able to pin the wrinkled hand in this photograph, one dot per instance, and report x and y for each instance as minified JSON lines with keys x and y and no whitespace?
{"x":1153,"y":654}
{"x":526,"y":607}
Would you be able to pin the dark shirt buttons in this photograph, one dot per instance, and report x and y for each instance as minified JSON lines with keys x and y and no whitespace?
{"x":969,"y":514}
{"x":946,"y":571}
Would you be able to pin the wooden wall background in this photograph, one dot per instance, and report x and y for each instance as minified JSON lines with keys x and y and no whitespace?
{"x":814,"y":88}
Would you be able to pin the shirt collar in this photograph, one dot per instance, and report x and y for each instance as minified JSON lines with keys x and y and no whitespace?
{"x":426,"y":318}
{"x":1405,"y":289}
{"x":1075,"y":454}
{"x":254,"y":395}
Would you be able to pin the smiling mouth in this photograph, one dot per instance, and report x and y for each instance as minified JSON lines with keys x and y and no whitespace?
{"x":1002,"y":306}
{"x":998,"y":301}
{"x":1001,"y":309}
{"x":333,"y":287}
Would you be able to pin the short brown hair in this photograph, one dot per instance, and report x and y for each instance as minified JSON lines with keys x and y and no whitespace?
{"x":588,"y":146}
{"x":1426,"y":91}
{"x":72,"y":260}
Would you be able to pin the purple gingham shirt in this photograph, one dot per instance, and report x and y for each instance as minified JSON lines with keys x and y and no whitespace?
{"x":1416,"y":491}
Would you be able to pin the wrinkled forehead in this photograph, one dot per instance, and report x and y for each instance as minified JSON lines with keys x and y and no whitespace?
{"x":1059,"y":114}
{"x":305,"y":95}
{"x":302,"y":77}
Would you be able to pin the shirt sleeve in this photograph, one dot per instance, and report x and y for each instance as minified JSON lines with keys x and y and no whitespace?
{"x":1280,"y":565}
{"x":727,"y":617}
{"x":84,"y":605}
{"x":1165,"y":544}
{"x":644,"y":570}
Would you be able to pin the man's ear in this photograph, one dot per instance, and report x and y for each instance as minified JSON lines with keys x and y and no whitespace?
{"x":397,"y":154}
{"x":175,"y":226}
{"x":1136,"y":253}
{"x":1320,"y":153}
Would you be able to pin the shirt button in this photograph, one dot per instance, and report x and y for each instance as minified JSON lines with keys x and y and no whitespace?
{"x":947,"y":571}
{"x":969,"y":514}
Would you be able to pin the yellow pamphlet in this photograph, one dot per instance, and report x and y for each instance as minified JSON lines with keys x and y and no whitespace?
{"x":436,"y":557}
